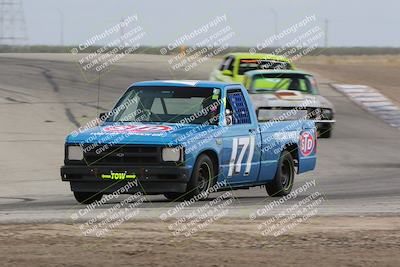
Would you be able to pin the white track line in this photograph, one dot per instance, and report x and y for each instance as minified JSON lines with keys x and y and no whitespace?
{"x":371,"y":100}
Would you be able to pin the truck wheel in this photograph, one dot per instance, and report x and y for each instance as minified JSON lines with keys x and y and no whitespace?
{"x":282,"y":184}
{"x":202,"y":178}
{"x":325,"y":133}
{"x":87,"y":197}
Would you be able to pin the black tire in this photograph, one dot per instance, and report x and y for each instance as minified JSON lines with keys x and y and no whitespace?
{"x":202,"y":178}
{"x":173,"y":196}
{"x":87,"y":197}
{"x":325,"y":133}
{"x":282,"y":183}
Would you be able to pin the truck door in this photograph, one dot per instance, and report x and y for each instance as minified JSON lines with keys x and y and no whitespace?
{"x":241,"y":153}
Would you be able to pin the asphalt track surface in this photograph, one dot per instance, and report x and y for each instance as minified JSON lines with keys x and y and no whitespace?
{"x":44,"y":97}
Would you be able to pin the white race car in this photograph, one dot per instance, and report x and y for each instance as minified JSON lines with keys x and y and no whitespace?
{"x":274,"y":91}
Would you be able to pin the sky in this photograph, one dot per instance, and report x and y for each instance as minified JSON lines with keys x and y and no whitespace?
{"x":351,"y":22}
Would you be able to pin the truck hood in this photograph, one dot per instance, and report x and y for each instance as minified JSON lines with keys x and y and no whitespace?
{"x":287,"y":98}
{"x":139,"y":133}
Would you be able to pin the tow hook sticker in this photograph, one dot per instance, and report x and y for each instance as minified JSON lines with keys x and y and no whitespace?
{"x":118,"y":176}
{"x":307,"y":143}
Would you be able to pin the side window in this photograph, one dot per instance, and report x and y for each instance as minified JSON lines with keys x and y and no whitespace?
{"x":303,"y":85}
{"x":222,"y":66}
{"x":230,"y":64}
{"x":227,"y":64}
{"x":313,"y":84}
{"x":236,"y":103}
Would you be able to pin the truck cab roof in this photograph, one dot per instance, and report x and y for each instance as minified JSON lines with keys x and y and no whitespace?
{"x":184,"y":83}
{"x":259,"y":56}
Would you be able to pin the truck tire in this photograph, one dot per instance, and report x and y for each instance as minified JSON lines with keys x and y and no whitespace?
{"x":200,"y":181}
{"x":282,"y":183}
{"x":325,"y":133}
{"x":202,"y":178}
{"x":87,"y":197}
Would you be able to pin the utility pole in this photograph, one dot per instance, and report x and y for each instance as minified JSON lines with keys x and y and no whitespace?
{"x":12,"y":22}
{"x":326,"y":32}
{"x":275,"y":16}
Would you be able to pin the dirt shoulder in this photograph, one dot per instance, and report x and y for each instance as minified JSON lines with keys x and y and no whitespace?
{"x":380,"y":72}
{"x":327,"y":241}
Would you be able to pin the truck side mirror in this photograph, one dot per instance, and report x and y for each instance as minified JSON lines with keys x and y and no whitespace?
{"x":228,"y":117}
{"x":227,"y":73}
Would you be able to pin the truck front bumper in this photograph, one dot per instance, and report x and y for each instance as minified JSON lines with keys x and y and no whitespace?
{"x":149,"y":179}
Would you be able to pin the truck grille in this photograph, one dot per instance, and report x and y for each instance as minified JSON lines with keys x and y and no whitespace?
{"x":98,"y":155}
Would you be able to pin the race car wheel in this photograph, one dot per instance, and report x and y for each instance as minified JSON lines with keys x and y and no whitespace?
{"x":202,"y":178}
{"x":173,"y":196}
{"x":87,"y":198}
{"x":282,"y":183}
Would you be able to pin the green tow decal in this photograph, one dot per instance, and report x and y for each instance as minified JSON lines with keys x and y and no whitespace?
{"x":118,"y":176}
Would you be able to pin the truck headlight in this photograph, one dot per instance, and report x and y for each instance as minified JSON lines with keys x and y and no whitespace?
{"x":75,"y":153}
{"x":172,"y":154}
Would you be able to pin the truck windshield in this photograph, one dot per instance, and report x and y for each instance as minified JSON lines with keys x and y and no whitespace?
{"x":261,"y":64}
{"x":186,"y":105}
{"x":273,"y":82}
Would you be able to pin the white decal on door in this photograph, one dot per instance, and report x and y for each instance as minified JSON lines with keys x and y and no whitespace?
{"x":235,"y":164}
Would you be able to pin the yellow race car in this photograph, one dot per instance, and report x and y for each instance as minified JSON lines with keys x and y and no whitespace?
{"x":235,"y":65}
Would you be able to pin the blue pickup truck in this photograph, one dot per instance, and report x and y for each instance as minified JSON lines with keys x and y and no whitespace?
{"x":180,"y":138}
